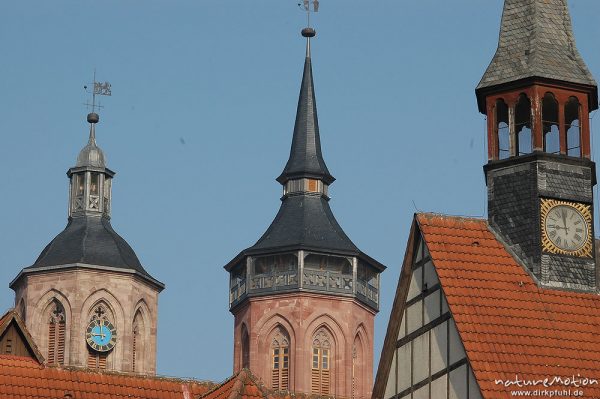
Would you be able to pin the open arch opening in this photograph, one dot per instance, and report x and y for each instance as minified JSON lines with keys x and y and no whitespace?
{"x":523,"y":125}
{"x":550,"y":128}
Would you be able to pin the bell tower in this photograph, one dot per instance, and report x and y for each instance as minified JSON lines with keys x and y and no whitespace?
{"x":304,"y":297}
{"x":87,"y":300}
{"x":537,"y":94}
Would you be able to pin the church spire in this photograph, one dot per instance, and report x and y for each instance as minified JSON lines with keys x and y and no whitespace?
{"x":306,"y":160}
{"x":536,"y":41}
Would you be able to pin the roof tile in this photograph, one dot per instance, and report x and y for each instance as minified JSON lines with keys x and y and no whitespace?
{"x":509,"y":326}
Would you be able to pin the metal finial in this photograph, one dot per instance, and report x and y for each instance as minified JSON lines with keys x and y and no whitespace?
{"x":309,"y":32}
{"x":99,"y":89}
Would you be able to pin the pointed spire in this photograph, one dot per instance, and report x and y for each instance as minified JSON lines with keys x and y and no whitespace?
{"x":536,"y":41}
{"x":305,"y":158}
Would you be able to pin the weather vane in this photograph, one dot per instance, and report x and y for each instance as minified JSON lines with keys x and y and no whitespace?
{"x":99,"y":89}
{"x":306,"y":5}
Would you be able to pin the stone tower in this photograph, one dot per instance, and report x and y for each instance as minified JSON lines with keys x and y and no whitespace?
{"x":537,"y":94}
{"x":87,"y":300}
{"x":304,"y":296}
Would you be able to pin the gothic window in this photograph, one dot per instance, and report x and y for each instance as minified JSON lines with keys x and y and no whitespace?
{"x":99,"y":360}
{"x":321,"y":363}
{"x":523,"y":125}
{"x":245,"y":348}
{"x":357,"y":368}
{"x":572,"y":127}
{"x":550,"y":124}
{"x":502,"y":130}
{"x":138,"y":343}
{"x":56,"y":333}
{"x":22,"y":309}
{"x":280,"y":361}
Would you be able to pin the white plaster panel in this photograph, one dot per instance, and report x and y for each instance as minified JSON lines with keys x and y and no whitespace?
{"x":404,"y":367}
{"x":444,"y":304}
{"x":422,"y":393}
{"x":474,"y":392}
{"x":456,"y":348}
{"x":432,"y":307}
{"x":402,"y":332}
{"x":390,"y":389}
{"x":416,"y":283}
{"x":414,"y":316}
{"x":430,"y":277}
{"x":458,"y":383}
{"x":439,"y":347}
{"x":439,"y":389}
{"x":420,"y":358}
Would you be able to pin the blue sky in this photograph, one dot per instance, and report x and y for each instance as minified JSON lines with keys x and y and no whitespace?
{"x":200,"y":124}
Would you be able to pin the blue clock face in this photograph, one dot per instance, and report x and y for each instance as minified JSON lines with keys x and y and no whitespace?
{"x":101,"y":335}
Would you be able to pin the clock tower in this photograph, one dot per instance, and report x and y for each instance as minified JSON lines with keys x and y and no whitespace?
{"x":537,"y":94}
{"x":87,"y":301}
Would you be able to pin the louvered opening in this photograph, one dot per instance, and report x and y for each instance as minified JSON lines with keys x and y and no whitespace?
{"x":133,"y":351}
{"x":97,"y":360}
{"x":324,"y":382}
{"x":51,"y":343}
{"x":60,"y":347}
{"x":275,"y":380}
{"x":315,"y":381}
{"x":285,"y":385}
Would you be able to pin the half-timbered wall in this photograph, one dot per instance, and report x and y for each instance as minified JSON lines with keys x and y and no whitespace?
{"x":429,"y":359}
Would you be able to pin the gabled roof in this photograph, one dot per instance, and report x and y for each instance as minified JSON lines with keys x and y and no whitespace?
{"x":536,"y":40}
{"x":12,"y":318}
{"x":90,"y":240}
{"x":22,"y":377}
{"x":508,"y":324}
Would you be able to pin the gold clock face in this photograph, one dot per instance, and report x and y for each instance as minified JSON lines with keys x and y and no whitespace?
{"x":566,"y":228}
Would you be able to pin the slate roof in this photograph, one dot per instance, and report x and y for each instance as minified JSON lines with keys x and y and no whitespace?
{"x":305,"y":220}
{"x":24,"y":378}
{"x":536,"y":40}
{"x":90,"y":240}
{"x":508,"y":324}
{"x":306,"y":159}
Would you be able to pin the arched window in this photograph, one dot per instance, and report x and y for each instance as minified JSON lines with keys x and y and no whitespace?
{"x":138,"y":343}
{"x":572,"y":127}
{"x":357,"y":368}
{"x":245,"y":347}
{"x":22,"y":309}
{"x":99,"y":359}
{"x":56,"y":333}
{"x":550,"y":129}
{"x":523,"y":125}
{"x":280,"y":360}
{"x":502,"y":130}
{"x":321,"y":363}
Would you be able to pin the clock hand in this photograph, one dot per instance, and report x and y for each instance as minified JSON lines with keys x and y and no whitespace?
{"x":563,"y":213}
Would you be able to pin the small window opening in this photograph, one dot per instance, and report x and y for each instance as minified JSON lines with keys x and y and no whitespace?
{"x":550,"y":129}
{"x":502,"y":129}
{"x":523,"y":125}
{"x":573,"y":127}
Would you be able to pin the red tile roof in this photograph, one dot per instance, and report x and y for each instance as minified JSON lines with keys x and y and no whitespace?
{"x":23,"y":377}
{"x":508,"y":324}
